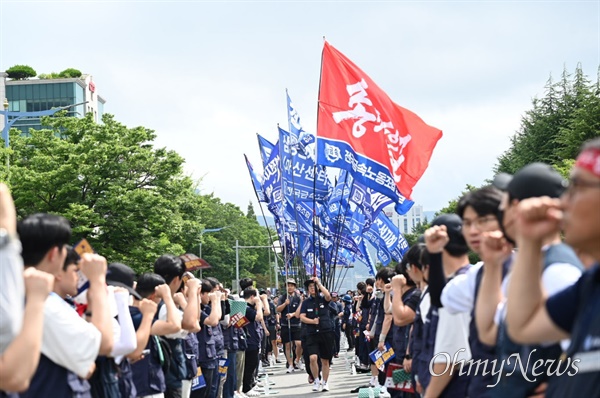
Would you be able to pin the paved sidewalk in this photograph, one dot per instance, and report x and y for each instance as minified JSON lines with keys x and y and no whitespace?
{"x":295,"y":385}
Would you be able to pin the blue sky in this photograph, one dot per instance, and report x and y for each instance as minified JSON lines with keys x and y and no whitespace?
{"x":207,"y":76}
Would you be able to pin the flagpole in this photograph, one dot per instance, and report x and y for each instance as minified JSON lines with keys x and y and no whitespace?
{"x":263,"y":215}
{"x":340,"y":225}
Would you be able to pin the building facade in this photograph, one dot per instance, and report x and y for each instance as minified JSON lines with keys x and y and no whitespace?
{"x":408,"y":221}
{"x":43,"y":94}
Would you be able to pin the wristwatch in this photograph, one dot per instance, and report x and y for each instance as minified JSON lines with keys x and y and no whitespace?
{"x":408,"y":356}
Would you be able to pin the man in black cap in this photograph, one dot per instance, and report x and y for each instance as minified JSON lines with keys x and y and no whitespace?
{"x":123,"y":276}
{"x":290,"y":324}
{"x":447,"y":250}
{"x":561,"y":269}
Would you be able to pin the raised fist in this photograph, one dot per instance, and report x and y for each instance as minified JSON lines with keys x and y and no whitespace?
{"x":38,"y":284}
{"x":436,"y":238}
{"x":148,"y":307}
{"x":93,"y":266}
{"x":163,"y":291}
{"x":398,"y":281}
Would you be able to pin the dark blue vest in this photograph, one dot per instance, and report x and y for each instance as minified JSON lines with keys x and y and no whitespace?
{"x":584,"y":341}
{"x":207,"y":352}
{"x":126,"y":386}
{"x":190,"y":349}
{"x":105,"y":380}
{"x":516,"y":385}
{"x":148,"y":375}
{"x":52,"y":377}
{"x":479,"y":351}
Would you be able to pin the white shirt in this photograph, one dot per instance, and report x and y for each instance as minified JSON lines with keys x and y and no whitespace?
{"x":424,"y":304}
{"x":68,"y":340}
{"x":452,"y":337}
{"x":459,"y":294}
{"x":12,"y":293}
{"x":162,"y":315}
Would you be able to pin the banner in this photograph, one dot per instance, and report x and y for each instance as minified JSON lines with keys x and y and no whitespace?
{"x":302,"y":179}
{"x":255,"y":182}
{"x":265,"y":147}
{"x":360,"y":129}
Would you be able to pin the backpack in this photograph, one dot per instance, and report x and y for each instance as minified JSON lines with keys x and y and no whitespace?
{"x":163,"y":352}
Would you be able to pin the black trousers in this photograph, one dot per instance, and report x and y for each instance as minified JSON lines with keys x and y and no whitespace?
{"x":204,"y":392}
{"x":250,"y":366}
{"x":349,"y":336}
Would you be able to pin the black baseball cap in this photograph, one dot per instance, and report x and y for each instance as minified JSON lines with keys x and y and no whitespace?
{"x":532,"y":181}
{"x":121,"y":275}
{"x":453,"y":225}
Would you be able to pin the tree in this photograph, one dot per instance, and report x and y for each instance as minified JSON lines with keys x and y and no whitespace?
{"x":128,"y":198}
{"x":70,"y":73}
{"x":557,"y":125}
{"x":20,"y":72}
{"x":250,"y":213}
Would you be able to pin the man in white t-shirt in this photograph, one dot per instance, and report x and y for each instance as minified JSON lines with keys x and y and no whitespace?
{"x":69,"y":343}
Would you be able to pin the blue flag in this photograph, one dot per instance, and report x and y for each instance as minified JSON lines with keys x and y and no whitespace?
{"x":301,"y":178}
{"x":255,"y":182}
{"x":265,"y":147}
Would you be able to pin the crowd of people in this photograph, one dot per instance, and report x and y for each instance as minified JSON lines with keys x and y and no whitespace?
{"x":524,"y":321}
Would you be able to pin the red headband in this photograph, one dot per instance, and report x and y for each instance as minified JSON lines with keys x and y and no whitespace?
{"x":589,"y":160}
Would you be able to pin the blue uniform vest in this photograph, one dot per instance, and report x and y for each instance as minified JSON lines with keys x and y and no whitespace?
{"x":126,"y":386}
{"x":190,"y":349}
{"x":584,"y":337}
{"x":516,"y":385}
{"x":479,"y":351}
{"x":52,"y":377}
{"x":207,"y":352}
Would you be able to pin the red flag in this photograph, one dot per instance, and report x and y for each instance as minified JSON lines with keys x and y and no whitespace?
{"x":354,"y":110}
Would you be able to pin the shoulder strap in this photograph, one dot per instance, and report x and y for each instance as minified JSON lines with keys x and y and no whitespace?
{"x":561,"y":253}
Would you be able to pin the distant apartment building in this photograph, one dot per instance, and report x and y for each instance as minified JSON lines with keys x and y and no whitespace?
{"x":408,"y":221}
{"x":43,"y":94}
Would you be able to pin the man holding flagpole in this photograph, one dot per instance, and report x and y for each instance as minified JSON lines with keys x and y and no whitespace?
{"x":290,"y":327}
{"x":320,"y":338}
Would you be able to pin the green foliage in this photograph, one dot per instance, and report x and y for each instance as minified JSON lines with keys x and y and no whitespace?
{"x":453,"y":204}
{"x":128,"y":198}
{"x":70,"y":73}
{"x":47,"y":76}
{"x":65,"y":74}
{"x":20,"y":72}
{"x":557,"y":126}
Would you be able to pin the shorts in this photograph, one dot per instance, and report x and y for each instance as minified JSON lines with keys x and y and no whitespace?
{"x":321,"y":344}
{"x":285,"y":334}
{"x":272,"y":333}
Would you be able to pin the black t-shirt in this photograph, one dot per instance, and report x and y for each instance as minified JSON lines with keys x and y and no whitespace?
{"x":314,"y":308}
{"x":290,"y":308}
{"x":271,"y":320}
{"x":252,"y":328}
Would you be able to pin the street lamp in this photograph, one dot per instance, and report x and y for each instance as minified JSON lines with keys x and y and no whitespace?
{"x":200,"y":244}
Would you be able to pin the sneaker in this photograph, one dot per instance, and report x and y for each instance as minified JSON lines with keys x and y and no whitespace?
{"x":290,"y":369}
{"x":253,"y":393}
{"x":316,"y":385}
{"x":277,"y":361}
{"x":374,"y":382}
{"x":325,"y":387}
{"x":383,"y":393}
